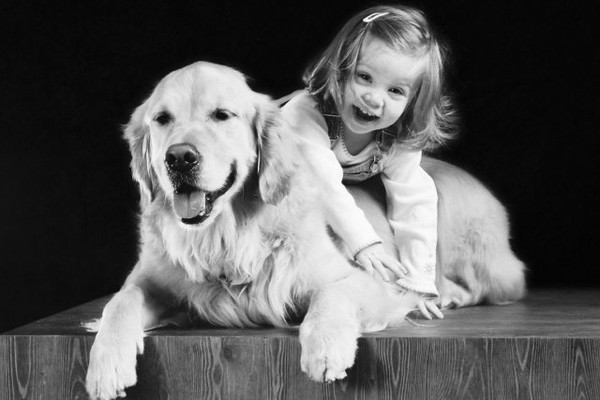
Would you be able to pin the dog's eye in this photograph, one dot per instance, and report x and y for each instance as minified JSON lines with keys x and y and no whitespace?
{"x":163,"y":118}
{"x":221,"y":114}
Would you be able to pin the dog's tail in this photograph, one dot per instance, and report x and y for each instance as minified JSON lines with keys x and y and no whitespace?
{"x":476,"y":263}
{"x":480,"y":267}
{"x":504,"y":278}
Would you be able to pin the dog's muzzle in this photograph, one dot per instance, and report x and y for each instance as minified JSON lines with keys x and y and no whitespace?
{"x":192,"y":204}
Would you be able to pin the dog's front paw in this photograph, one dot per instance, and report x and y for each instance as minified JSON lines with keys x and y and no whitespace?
{"x":112,"y":367}
{"x":327,"y":350}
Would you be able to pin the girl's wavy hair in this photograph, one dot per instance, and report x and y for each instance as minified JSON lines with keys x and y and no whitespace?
{"x":429,"y":119}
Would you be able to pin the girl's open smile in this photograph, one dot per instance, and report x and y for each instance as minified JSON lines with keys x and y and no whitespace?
{"x":364,"y":115}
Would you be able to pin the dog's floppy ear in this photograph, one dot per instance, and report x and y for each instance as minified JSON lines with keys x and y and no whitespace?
{"x":137,"y":134}
{"x":275,"y":150}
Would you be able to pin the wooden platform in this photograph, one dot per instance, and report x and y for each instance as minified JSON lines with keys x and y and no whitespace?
{"x":546,"y":347}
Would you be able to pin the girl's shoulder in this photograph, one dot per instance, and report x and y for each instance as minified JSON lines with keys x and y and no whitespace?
{"x":303,"y":114}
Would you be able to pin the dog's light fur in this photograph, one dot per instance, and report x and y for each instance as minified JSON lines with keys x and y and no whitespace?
{"x":265,"y":253}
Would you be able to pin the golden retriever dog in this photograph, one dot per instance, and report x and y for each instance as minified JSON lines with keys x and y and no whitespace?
{"x":232,"y":230}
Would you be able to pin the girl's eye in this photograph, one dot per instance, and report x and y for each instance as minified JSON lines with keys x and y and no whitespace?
{"x":397,"y":91}
{"x":363,"y":77}
{"x":163,"y":118}
{"x":221,"y":114}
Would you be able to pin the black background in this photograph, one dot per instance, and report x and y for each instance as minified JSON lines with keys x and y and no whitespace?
{"x":525,"y":76}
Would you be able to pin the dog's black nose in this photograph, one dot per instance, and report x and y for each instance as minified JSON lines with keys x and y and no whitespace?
{"x":182,"y":157}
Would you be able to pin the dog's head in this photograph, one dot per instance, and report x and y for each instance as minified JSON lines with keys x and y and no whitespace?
{"x":200,"y":136}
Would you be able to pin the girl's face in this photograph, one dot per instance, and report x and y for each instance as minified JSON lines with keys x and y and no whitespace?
{"x":376,"y":96}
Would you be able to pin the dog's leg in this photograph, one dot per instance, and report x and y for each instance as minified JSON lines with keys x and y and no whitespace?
{"x":337,"y":314}
{"x":329,"y":333}
{"x":120,"y":338}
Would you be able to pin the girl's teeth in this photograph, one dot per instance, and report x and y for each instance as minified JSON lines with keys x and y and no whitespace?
{"x":364,"y":114}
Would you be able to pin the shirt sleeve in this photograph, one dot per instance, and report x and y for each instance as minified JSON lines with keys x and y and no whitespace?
{"x":412,"y":214}
{"x":343,"y":215}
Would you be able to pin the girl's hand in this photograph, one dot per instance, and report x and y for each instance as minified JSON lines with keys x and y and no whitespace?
{"x":426,"y":306}
{"x":375,"y":258}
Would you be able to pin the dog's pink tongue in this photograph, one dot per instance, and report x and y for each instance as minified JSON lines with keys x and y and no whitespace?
{"x":189,"y":205}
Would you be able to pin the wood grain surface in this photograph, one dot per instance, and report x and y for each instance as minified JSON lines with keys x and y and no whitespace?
{"x":546,"y":347}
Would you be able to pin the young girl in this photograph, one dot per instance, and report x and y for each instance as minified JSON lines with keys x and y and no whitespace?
{"x":375,"y":98}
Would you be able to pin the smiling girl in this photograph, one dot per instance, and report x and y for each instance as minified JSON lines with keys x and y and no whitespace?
{"x":375,"y":99}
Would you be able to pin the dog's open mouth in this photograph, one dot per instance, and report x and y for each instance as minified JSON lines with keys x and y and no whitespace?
{"x":194,"y":205}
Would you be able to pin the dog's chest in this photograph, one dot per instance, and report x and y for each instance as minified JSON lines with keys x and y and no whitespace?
{"x":231,"y":256}
{"x":248,"y":258}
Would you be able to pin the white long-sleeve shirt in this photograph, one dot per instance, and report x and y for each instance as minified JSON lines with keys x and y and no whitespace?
{"x":410,"y":192}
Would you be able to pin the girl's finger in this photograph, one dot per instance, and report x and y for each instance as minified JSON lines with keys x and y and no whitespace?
{"x":423,"y":310}
{"x":395,"y":266}
{"x":434,"y":309}
{"x":365,"y":263}
{"x":381,"y":269}
{"x":401,"y":267}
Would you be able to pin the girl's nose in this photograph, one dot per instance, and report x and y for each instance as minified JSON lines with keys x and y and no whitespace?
{"x":373,"y":99}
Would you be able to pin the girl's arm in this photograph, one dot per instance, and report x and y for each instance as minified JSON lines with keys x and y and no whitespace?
{"x":343,"y":215}
{"x":412,"y":214}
